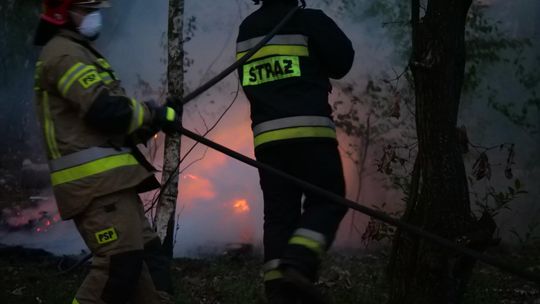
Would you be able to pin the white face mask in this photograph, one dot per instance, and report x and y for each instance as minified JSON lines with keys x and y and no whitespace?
{"x":91,"y":25}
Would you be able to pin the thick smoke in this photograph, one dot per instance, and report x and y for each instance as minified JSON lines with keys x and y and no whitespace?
{"x":209,"y":189}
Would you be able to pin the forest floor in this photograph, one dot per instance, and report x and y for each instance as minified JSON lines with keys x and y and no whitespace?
{"x":32,"y":276}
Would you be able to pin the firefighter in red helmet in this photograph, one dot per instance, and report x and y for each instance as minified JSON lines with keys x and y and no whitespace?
{"x":91,"y":129}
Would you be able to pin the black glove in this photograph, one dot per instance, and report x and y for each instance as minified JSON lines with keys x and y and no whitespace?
{"x":164,"y":118}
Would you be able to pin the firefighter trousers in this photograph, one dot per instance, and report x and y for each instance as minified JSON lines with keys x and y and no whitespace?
{"x":128,"y":264}
{"x":299,"y":225}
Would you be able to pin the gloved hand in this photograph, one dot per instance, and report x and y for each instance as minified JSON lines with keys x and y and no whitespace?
{"x":164,"y":118}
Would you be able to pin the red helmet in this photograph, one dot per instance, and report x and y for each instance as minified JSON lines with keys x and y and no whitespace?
{"x":56,"y":11}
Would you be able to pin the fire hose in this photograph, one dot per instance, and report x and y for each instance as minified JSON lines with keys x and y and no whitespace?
{"x":381,"y":216}
{"x":196,"y":93}
{"x":333,"y":198}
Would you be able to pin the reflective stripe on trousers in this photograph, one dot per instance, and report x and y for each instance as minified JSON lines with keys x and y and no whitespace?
{"x":271,"y":271}
{"x":310,"y":239}
{"x":294,"y":127}
{"x":89,"y":162}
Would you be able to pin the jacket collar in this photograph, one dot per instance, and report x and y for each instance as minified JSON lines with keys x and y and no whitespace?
{"x":71,"y":34}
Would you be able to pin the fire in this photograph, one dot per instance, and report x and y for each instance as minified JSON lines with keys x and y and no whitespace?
{"x":241,"y":206}
{"x":191,"y":176}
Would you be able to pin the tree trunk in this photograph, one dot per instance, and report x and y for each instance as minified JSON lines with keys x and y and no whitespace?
{"x":166,"y":208}
{"x":422,"y":272}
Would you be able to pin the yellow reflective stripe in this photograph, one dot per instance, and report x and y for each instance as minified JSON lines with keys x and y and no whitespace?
{"x":103,"y":63}
{"x":137,"y":117}
{"x":106,"y":77}
{"x":171,"y":115}
{"x":291,"y":133}
{"x":272,"y":275}
{"x":311,"y":244}
{"x":67,"y":75}
{"x":92,"y":168}
{"x":288,"y":39}
{"x":49,"y":127}
{"x":292,"y":50}
{"x":67,"y":81}
{"x":75,"y":301}
{"x":37,"y":75}
{"x":293,"y":122}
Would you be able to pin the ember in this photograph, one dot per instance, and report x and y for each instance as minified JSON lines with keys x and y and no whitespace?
{"x":241,"y":206}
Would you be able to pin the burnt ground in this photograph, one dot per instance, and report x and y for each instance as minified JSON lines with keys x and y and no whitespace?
{"x":33,"y":276}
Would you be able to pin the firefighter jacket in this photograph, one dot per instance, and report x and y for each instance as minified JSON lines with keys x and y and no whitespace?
{"x":287,"y":81}
{"x":86,"y":120}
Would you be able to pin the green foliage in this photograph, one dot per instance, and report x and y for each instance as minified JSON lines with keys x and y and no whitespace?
{"x":490,"y":51}
{"x":492,"y":55}
{"x":530,"y":239}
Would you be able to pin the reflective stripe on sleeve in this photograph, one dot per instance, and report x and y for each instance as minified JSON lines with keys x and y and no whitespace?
{"x":106,"y":77}
{"x":137,"y":117}
{"x":48,"y":126}
{"x":75,"y":72}
{"x":103,"y":63}
{"x":246,"y":45}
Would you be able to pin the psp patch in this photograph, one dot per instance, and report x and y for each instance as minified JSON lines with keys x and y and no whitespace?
{"x":106,"y":236}
{"x":271,"y":69}
{"x":89,"y":79}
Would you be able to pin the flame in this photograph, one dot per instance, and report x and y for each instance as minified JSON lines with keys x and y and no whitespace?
{"x":241,"y":206}
{"x":191,"y":176}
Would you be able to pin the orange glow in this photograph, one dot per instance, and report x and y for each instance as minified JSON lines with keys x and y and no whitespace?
{"x":194,"y":187}
{"x":241,"y":206}
{"x":191,"y":176}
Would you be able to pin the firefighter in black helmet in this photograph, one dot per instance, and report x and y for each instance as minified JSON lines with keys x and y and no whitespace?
{"x":287,"y":84}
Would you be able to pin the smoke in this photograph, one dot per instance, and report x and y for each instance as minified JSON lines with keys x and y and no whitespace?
{"x":133,"y":41}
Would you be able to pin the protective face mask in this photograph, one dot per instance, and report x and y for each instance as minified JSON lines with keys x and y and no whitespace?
{"x":91,"y":25}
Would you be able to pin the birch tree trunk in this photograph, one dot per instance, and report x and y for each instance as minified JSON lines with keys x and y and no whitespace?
{"x":164,"y":221}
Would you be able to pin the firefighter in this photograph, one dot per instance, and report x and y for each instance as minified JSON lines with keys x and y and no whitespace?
{"x":91,"y":128}
{"x":287,"y":84}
